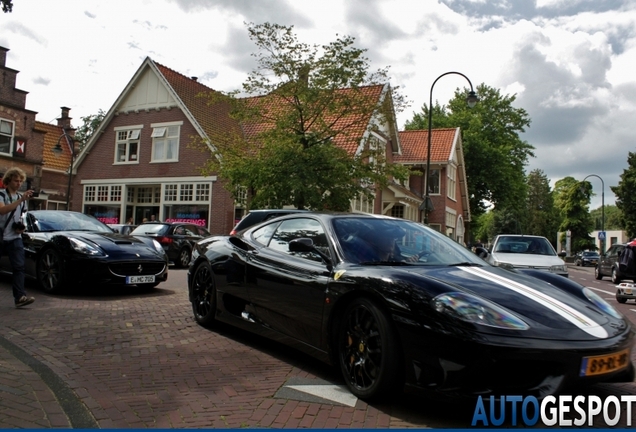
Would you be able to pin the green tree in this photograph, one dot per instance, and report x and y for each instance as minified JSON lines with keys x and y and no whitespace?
{"x":613,"y":218}
{"x":572,"y":199}
{"x":494,"y":153}
{"x":7,"y":6}
{"x":625,"y":199}
{"x":304,"y":101}
{"x":89,"y":125}
{"x":542,"y":217}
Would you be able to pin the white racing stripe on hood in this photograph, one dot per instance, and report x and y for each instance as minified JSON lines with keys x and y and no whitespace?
{"x":572,"y":315}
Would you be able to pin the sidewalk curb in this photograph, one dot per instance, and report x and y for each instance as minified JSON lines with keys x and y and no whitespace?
{"x":79,"y":416}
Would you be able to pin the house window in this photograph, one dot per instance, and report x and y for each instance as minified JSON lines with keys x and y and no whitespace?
{"x":165,"y":143}
{"x":89,"y":194}
{"x":127,"y":145}
{"x":185,"y":194}
{"x":433,"y":182}
{"x":203,"y":192}
{"x":397,"y":211}
{"x":6,"y":136}
{"x":452,"y":181}
{"x":170,"y":193}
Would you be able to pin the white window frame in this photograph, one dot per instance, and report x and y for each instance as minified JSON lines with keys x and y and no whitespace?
{"x":163,"y":134}
{"x":10,"y":134}
{"x":451,"y":182}
{"x":127,"y":135}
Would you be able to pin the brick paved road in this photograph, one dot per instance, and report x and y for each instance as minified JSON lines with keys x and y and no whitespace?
{"x":116,"y":359}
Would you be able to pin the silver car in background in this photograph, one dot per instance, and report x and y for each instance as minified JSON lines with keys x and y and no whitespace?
{"x":526,"y":251}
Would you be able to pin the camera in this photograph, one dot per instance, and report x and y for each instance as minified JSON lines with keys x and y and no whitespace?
{"x":18,"y":226}
{"x":35,"y":194}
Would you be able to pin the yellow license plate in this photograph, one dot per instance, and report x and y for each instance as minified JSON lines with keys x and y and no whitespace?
{"x":627,"y":291}
{"x":597,"y":365}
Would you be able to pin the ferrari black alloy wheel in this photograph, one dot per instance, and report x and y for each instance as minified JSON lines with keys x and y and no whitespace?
{"x":367,"y":351}
{"x":203,"y":295}
{"x":50,"y":271}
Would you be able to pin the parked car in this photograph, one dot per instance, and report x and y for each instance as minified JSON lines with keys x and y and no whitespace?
{"x":608,"y":265}
{"x":625,"y":291}
{"x":122,"y":228}
{"x":586,"y":258}
{"x":256,"y":216}
{"x":524,"y":251}
{"x":392,"y":302}
{"x":176,"y":238}
{"x":65,"y":249}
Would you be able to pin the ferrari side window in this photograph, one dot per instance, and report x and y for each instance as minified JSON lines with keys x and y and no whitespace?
{"x":263,"y":234}
{"x":300,"y":228}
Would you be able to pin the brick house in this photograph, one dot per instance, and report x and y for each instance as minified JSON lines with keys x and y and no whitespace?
{"x":139,"y":161}
{"x":447,"y":182}
{"x":27,"y":143}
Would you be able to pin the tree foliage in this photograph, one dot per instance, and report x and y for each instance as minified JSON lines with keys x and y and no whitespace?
{"x":494,"y":153}
{"x":7,"y":6}
{"x":541,"y":215}
{"x":303,"y":101}
{"x":572,"y":199}
{"x":89,"y":125}
{"x":625,"y":197}
{"x":613,"y":218}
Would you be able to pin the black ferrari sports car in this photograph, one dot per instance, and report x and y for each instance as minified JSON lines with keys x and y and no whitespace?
{"x":392,"y":302}
{"x":65,"y":249}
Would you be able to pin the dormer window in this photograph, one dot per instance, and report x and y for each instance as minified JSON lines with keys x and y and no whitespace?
{"x":127,"y":145}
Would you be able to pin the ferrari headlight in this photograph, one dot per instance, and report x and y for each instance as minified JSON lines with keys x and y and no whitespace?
{"x":600,"y":303}
{"x":476,"y":310}
{"x":85,"y":247}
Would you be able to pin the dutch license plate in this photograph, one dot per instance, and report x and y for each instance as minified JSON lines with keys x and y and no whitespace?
{"x":627,"y":291}
{"x":597,"y":365}
{"x":140,"y":279}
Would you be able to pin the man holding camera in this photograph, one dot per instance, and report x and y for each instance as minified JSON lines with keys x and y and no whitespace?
{"x":12,"y":205}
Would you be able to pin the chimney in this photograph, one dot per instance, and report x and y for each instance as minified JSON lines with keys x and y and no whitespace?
{"x":194,"y":78}
{"x":65,"y":121}
{"x":3,"y":56}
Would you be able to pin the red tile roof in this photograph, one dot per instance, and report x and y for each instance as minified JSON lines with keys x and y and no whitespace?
{"x":415,"y":145}
{"x":214,"y":119}
{"x":49,"y":158}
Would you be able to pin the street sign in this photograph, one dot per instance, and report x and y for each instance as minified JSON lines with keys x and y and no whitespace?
{"x":601,"y":235}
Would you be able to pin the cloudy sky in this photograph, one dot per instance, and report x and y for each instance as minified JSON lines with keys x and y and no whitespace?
{"x":569,"y":62}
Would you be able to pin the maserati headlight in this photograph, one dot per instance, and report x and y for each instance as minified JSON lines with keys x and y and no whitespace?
{"x":84,"y":247}
{"x":476,"y":310}
{"x":600,"y":303}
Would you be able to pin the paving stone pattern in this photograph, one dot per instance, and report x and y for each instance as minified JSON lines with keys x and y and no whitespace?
{"x":137,"y":359}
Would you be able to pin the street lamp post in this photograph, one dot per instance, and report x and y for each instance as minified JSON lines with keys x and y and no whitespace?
{"x":471,"y":100}
{"x":602,"y":209}
{"x":58,"y":151}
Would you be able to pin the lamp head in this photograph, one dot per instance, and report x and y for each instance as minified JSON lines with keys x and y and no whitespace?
{"x":57,"y":150}
{"x":472,"y":99}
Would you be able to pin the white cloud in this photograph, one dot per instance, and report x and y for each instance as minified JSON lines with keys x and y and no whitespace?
{"x":569,"y":62}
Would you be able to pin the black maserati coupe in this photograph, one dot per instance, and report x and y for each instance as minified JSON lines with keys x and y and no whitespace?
{"x":65,"y":249}
{"x":392,"y":302}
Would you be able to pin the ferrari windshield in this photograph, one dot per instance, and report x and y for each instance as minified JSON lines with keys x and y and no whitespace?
{"x":53,"y":220}
{"x":369,"y":240}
